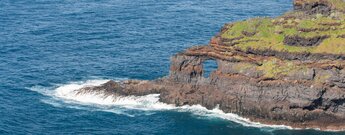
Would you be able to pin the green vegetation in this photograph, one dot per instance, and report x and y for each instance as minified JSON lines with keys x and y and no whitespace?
{"x":267,"y":33}
{"x":314,"y":31}
{"x":322,"y":78}
{"x":274,"y":68}
{"x":243,"y":67}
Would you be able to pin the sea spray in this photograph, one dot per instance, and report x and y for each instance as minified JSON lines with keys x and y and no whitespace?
{"x":124,"y":105}
{"x":148,"y":103}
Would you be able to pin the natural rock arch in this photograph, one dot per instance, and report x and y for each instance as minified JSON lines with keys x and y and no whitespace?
{"x":209,"y":65}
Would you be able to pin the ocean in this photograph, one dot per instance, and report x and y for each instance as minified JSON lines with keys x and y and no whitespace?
{"x":48,"y":48}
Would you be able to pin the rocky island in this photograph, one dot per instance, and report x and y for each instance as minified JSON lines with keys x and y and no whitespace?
{"x":287,"y":70}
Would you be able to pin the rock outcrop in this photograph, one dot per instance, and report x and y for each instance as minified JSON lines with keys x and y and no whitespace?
{"x":287,"y":70}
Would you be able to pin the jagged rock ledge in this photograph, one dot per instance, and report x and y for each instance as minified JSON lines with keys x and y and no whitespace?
{"x":273,"y":71}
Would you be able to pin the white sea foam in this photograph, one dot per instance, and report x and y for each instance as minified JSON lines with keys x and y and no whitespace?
{"x":120,"y":105}
{"x":148,"y":102}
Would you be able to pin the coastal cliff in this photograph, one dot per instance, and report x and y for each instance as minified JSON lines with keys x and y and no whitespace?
{"x":287,"y":70}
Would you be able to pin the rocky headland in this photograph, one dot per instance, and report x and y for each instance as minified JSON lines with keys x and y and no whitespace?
{"x":287,"y":70}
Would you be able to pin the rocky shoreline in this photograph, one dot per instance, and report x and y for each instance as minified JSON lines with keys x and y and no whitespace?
{"x":267,"y":85}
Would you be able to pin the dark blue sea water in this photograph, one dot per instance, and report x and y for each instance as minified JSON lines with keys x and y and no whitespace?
{"x":50,"y":46}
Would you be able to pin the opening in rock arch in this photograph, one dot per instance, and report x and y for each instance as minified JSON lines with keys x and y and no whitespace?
{"x":209,"y":66}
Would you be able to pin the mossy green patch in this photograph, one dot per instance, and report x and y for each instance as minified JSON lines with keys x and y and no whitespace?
{"x":267,"y":33}
{"x":242,"y":67}
{"x":322,"y":78}
{"x":275,"y":68}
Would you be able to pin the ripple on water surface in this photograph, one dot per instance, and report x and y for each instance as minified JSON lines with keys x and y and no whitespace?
{"x":46,"y":45}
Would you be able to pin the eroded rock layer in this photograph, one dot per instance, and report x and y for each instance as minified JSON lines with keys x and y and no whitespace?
{"x":287,"y":70}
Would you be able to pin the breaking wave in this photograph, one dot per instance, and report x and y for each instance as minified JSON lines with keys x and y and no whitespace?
{"x":66,"y":96}
{"x":148,"y":102}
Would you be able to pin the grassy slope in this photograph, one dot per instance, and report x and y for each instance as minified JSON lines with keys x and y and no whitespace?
{"x":270,"y":33}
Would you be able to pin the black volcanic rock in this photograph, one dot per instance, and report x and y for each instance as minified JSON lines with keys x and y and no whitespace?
{"x":298,"y":89}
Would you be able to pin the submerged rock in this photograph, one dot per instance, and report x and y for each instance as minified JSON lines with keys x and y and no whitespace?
{"x":287,"y":70}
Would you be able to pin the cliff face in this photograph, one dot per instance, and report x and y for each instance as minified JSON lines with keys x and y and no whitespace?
{"x":325,"y":7}
{"x":287,"y":70}
{"x":265,"y":89}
